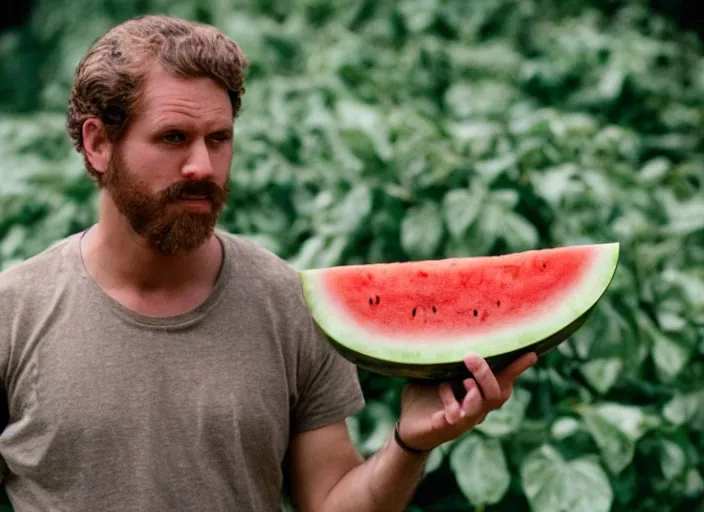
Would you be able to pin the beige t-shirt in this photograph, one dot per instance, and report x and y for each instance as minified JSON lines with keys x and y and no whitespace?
{"x":114,"y":411}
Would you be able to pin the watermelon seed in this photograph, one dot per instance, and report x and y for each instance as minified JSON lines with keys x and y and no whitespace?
{"x":435,"y":310}
{"x":498,"y":303}
{"x":545,"y":265}
{"x":414,"y":312}
{"x":377,"y":299}
{"x":371,"y":301}
{"x":476,"y":312}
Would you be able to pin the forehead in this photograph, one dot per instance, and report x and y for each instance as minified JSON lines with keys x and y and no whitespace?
{"x":169,"y":99}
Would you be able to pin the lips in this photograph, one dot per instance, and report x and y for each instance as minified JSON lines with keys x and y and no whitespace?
{"x":196,"y":204}
{"x":197,"y":192}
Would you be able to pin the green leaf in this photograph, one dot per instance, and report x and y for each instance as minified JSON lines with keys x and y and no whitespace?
{"x":686,"y":408}
{"x":602,"y":374}
{"x":11,"y":244}
{"x":475,"y":243}
{"x":319,"y":252}
{"x":507,"y":198}
{"x":655,"y":170}
{"x":418,"y":14}
{"x":267,"y":219}
{"x":346,"y":216}
{"x":557,"y":183}
{"x":422,"y":231}
{"x":490,"y":170}
{"x":671,"y":322}
{"x":669,"y":356}
{"x":492,"y":65}
{"x":461,"y":207}
{"x":673,"y":460}
{"x":694,"y":484}
{"x":609,"y":334}
{"x":376,"y":425}
{"x":520,"y":234}
{"x":480,"y":469}
{"x":690,"y":286}
{"x":476,"y":136}
{"x":611,"y":83}
{"x":616,"y":428}
{"x":481,"y":99}
{"x":266,"y":241}
{"x":435,"y":459}
{"x":564,"y":427}
{"x":507,"y":419}
{"x":686,"y":217}
{"x":552,"y":484}
{"x":355,"y":115}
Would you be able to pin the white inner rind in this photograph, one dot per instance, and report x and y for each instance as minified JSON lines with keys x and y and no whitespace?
{"x":577,"y":300}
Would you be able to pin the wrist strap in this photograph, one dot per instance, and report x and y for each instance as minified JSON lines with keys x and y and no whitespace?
{"x":403,"y":445}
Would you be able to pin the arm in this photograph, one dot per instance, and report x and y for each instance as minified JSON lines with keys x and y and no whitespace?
{"x":328,"y":473}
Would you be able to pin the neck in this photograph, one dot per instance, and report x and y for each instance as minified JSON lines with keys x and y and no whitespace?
{"x":119,"y":258}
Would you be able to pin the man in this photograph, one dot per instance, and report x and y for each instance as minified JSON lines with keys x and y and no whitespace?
{"x":153,"y":363}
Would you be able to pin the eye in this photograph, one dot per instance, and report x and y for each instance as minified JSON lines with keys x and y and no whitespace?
{"x":221,"y":136}
{"x":174,"y":137}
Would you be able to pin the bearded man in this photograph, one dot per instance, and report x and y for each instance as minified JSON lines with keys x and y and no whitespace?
{"x":154,"y":363}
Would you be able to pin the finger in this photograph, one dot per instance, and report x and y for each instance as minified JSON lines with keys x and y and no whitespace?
{"x":472,"y":402}
{"x":447,"y":396}
{"x":485,"y":378}
{"x":508,"y":375}
{"x":438,"y":420}
{"x":453,"y":412}
{"x":506,"y":392}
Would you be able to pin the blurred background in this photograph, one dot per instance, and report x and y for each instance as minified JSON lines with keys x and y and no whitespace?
{"x":379,"y":130}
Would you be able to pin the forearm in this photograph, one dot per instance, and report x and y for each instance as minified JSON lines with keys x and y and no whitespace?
{"x":384,"y":482}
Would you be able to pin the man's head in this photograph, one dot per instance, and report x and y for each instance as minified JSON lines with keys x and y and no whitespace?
{"x":151,"y":110}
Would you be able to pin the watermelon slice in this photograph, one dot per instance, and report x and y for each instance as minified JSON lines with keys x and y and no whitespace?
{"x":420,"y":319}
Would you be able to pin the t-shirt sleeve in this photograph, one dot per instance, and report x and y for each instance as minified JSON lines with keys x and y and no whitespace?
{"x":328,"y":386}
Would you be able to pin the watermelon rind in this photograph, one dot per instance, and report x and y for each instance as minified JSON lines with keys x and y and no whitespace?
{"x":452,"y":370}
{"x":433,"y":359}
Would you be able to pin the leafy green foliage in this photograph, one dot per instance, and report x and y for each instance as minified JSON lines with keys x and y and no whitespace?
{"x":386,"y":131}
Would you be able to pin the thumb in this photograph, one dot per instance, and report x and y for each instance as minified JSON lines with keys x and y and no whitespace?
{"x":508,"y":375}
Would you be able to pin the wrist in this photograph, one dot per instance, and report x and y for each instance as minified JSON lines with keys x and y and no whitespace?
{"x":404,"y":446}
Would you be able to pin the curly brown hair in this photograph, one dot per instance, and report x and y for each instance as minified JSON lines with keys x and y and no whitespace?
{"x":109,"y":79}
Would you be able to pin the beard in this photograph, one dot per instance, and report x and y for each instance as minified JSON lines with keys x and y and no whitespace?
{"x":156,"y":217}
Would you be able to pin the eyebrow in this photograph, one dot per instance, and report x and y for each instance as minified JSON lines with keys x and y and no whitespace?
{"x":171,"y":127}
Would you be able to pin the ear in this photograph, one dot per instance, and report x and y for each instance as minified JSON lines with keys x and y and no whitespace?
{"x":96,"y":146}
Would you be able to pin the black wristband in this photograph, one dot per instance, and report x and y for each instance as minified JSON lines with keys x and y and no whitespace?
{"x":403,"y":445}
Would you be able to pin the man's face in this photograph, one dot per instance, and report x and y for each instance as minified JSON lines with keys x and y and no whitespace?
{"x":168,"y":175}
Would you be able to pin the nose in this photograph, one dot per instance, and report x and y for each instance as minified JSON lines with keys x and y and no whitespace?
{"x":199,"y":165}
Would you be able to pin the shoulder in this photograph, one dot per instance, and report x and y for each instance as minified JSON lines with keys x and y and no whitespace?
{"x":27,"y":291}
{"x":246,"y":249}
{"x":35,"y":275}
{"x":261,"y":268}
{"x":266,"y":280}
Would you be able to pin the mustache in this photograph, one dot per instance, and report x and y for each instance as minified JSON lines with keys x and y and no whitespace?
{"x":207,"y":189}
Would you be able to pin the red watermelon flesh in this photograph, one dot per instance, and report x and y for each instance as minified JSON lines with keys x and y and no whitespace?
{"x":484,"y":293}
{"x":434,"y":312}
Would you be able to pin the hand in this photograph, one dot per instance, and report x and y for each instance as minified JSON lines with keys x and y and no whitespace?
{"x":432,"y":415}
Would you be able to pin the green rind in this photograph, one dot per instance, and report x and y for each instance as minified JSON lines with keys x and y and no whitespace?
{"x":455,"y":370}
{"x":401,"y":358}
